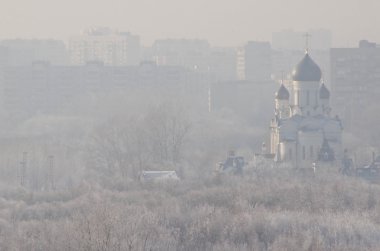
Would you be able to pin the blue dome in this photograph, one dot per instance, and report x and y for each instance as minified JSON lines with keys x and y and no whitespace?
{"x":324,"y":93}
{"x":307,"y":70}
{"x":283,"y":93}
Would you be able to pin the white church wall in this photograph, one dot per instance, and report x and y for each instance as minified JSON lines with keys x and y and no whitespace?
{"x":309,"y":144}
{"x":289,"y":152}
{"x":306,"y":96}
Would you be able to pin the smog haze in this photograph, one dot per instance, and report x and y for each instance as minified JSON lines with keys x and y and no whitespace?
{"x":221,"y":22}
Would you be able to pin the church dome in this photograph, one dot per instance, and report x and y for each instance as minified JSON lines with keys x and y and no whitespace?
{"x":307,"y":70}
{"x":283,"y":93}
{"x":324,"y":93}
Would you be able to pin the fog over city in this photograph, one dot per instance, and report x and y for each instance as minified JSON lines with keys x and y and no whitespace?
{"x":189,"y":125}
{"x":221,"y":22}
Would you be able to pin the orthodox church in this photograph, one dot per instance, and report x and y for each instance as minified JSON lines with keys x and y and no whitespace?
{"x":302,"y":131}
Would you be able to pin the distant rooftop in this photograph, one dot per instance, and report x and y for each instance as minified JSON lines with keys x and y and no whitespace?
{"x":103,"y":31}
{"x":367,"y":44}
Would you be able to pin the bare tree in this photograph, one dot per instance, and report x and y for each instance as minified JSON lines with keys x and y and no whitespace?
{"x":125,"y":146}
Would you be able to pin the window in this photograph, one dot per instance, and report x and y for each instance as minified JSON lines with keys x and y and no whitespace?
{"x":316,"y":97}
{"x":290,"y":154}
{"x":303,"y":152}
{"x":307,"y":98}
{"x":311,"y":152}
{"x":298,"y":98}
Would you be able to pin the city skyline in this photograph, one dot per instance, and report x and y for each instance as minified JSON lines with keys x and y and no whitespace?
{"x":222,"y":23}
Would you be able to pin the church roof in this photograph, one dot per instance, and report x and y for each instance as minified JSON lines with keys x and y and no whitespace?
{"x":324,"y":93}
{"x":307,"y":70}
{"x":290,"y":127}
{"x":283,"y":93}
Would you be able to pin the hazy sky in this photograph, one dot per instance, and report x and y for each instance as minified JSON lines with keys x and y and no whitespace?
{"x":222,"y":22}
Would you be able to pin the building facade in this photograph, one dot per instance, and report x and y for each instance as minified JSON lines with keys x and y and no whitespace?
{"x":355,"y":78}
{"x":105,"y":45}
{"x":195,"y":55}
{"x":302,"y":131}
{"x":42,"y":88}
{"x":254,"y":61}
{"x":19,"y":52}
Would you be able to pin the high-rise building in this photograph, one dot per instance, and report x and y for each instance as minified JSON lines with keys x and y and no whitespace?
{"x":355,"y":78}
{"x":19,"y":52}
{"x":195,"y":55}
{"x":105,"y":45}
{"x":4,"y":56}
{"x":254,"y":61}
{"x":240,"y":64}
{"x":222,"y":63}
{"x":190,"y":53}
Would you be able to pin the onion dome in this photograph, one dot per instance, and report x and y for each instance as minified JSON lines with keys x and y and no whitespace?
{"x":324,"y":93}
{"x":283,"y":93}
{"x":307,"y":70}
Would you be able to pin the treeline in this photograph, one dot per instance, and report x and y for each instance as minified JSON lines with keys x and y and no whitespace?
{"x":77,"y":187}
{"x":270,"y":209}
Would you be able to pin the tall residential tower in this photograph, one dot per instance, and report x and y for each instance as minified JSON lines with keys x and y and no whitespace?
{"x":105,"y":45}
